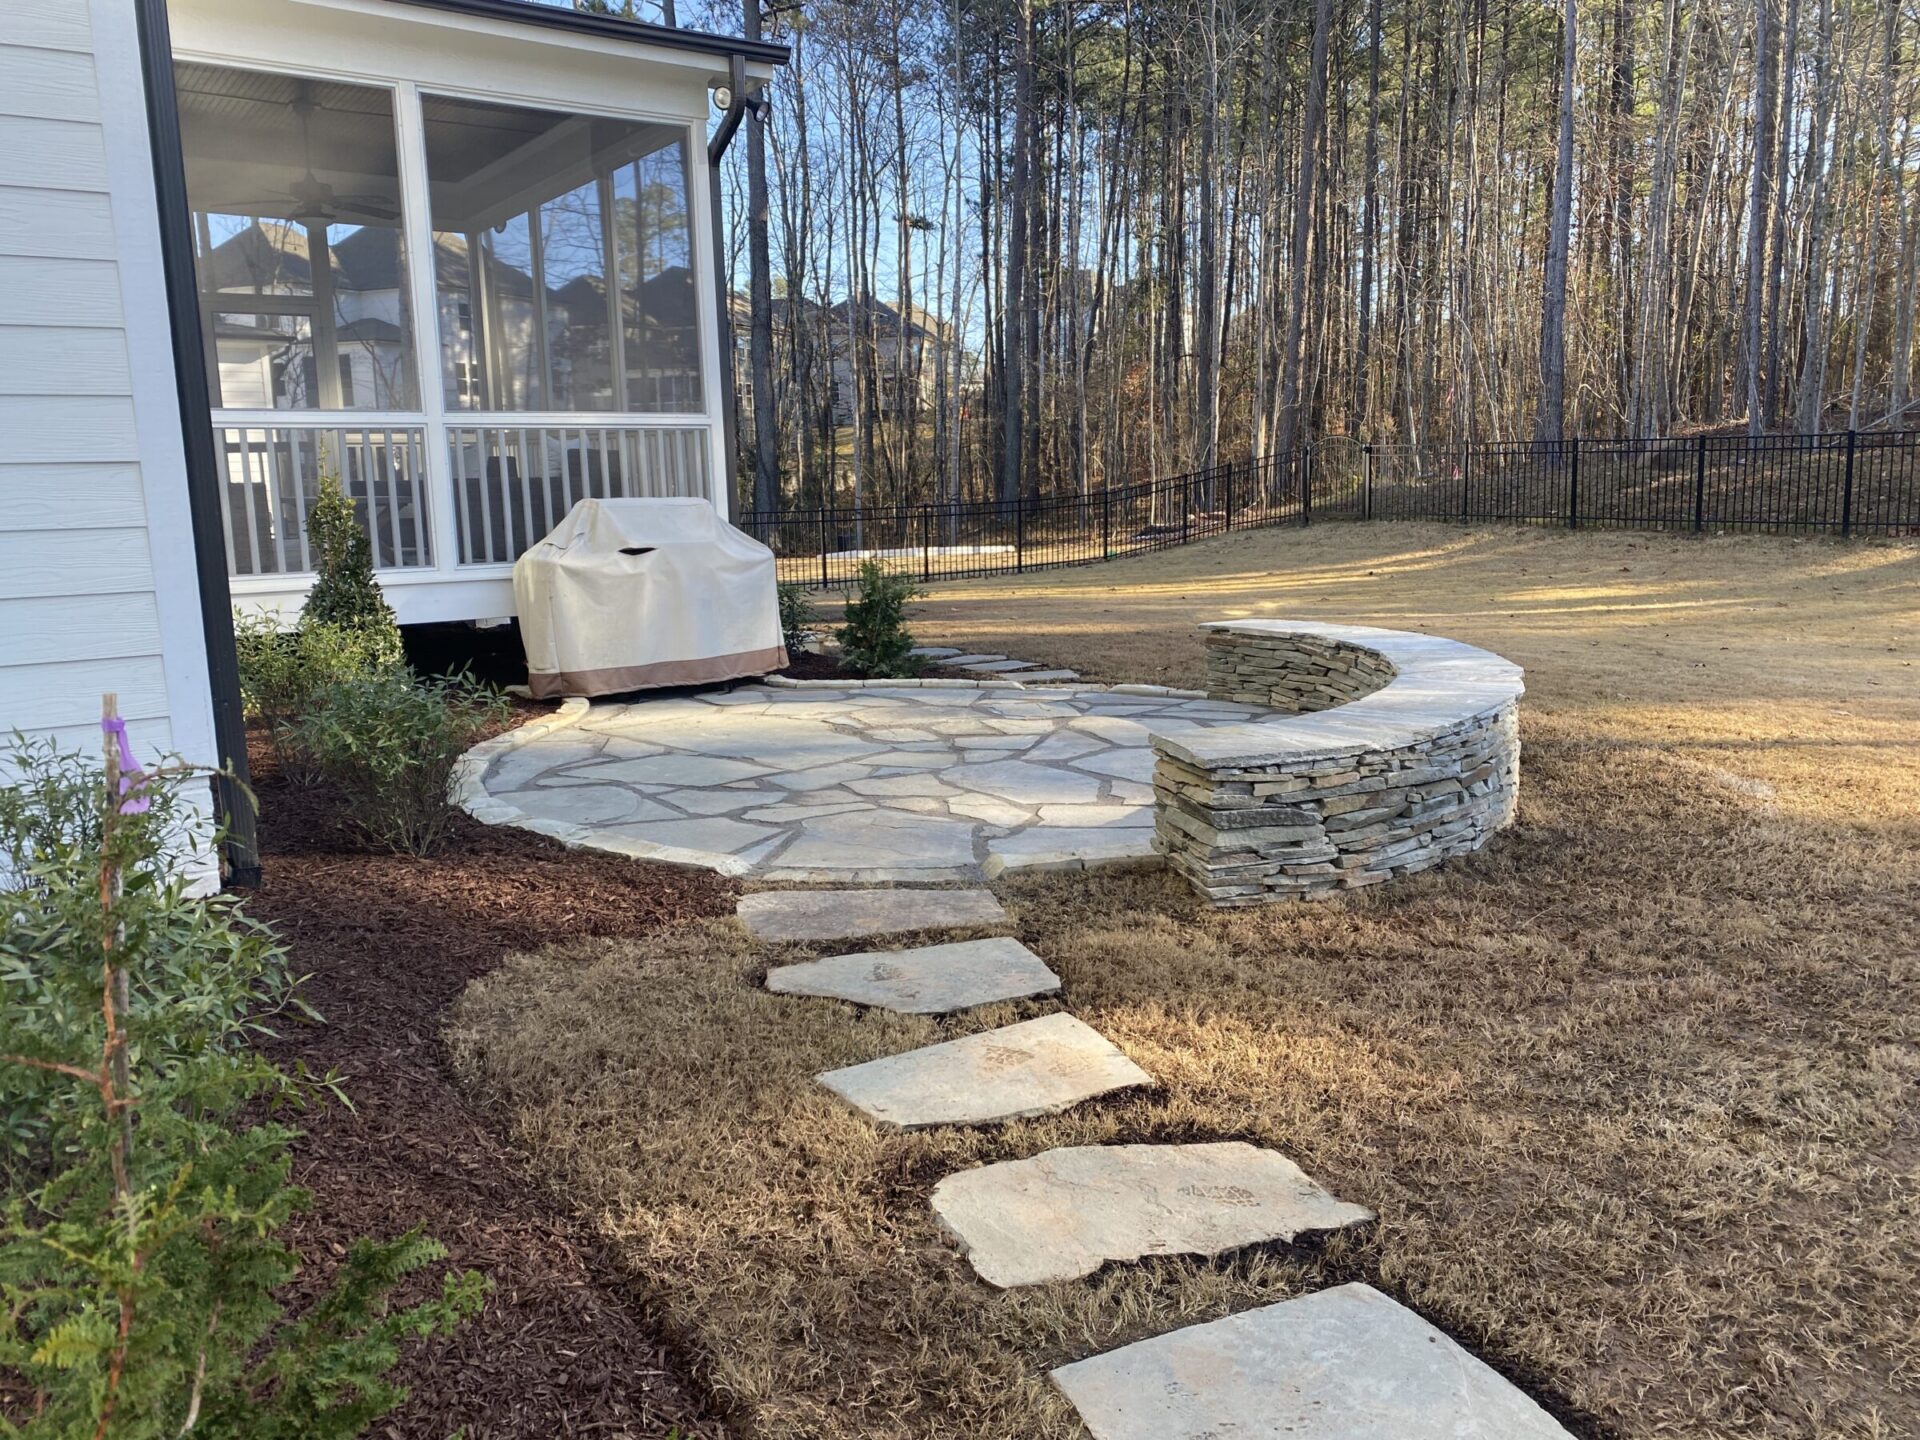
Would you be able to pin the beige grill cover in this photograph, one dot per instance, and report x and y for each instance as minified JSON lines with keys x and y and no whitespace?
{"x":629,"y":594}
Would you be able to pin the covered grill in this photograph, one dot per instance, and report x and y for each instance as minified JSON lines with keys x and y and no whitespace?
{"x":632,"y":594}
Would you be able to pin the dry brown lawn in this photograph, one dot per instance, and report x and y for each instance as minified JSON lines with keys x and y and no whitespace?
{"x":1633,"y":1090}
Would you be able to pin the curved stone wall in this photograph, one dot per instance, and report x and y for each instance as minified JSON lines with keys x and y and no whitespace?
{"x":1394,"y":751}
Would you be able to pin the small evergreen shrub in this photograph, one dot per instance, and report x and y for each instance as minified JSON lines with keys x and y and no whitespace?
{"x":389,"y":743}
{"x":875,"y":640}
{"x":799,"y":620}
{"x":284,"y":672}
{"x":344,"y":591}
{"x":139,"y":1241}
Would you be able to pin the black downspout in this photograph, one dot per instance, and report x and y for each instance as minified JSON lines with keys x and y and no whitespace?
{"x":235,"y":802}
{"x":723,"y":291}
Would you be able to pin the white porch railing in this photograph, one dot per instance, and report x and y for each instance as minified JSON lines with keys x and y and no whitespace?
{"x":513,"y":483}
{"x":273,"y":478}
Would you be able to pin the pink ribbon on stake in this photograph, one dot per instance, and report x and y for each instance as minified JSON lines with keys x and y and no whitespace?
{"x":133,"y":780}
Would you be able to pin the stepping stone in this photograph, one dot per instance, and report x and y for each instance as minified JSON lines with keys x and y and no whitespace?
{"x":1033,"y":1068}
{"x":971,"y":659}
{"x":932,"y":980}
{"x":846,"y":914}
{"x":994,"y":667}
{"x":934,"y":652}
{"x":1064,"y":1213}
{"x":1029,"y":676}
{"x":1342,"y":1364}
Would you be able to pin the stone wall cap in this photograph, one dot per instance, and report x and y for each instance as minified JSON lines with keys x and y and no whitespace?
{"x":1439,"y":686}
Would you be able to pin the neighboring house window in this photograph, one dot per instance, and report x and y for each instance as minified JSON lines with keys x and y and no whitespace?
{"x":563,"y":243}
{"x":300,"y":259}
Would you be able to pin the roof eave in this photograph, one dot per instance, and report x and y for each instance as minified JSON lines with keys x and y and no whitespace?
{"x":610,"y":27}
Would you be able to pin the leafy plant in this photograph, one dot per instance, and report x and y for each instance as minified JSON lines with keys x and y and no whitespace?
{"x":344,"y":591}
{"x":139,"y":1249}
{"x":47,"y":807}
{"x":799,"y":620}
{"x":284,"y":672}
{"x":875,"y":640}
{"x":390,"y":742}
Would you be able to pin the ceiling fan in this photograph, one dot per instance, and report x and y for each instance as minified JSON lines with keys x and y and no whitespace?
{"x":313,"y":200}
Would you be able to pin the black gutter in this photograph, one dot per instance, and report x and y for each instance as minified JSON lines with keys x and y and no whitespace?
{"x":234,"y":797}
{"x":608,"y":27}
{"x":722,"y":283}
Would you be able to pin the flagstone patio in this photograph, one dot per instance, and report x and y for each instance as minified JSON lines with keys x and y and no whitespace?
{"x":917,"y":783}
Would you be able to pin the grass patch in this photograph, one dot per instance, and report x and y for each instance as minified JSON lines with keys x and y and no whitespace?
{"x":1633,"y":1091}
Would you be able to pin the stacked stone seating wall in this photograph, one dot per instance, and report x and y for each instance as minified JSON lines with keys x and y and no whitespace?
{"x":1318,"y":820}
{"x":1294,"y":673}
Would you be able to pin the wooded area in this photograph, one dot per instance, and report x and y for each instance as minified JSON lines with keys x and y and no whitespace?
{"x":1159,"y":232}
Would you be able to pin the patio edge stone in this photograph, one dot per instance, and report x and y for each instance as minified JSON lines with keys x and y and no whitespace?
{"x":470,"y":794}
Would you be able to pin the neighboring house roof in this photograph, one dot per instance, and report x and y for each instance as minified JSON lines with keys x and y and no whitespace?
{"x":885,"y":319}
{"x":371,"y":329}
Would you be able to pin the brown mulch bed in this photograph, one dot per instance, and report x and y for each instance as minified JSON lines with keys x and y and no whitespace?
{"x":389,"y":942}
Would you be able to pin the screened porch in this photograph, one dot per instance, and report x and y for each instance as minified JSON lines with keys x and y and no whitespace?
{"x":470,"y":314}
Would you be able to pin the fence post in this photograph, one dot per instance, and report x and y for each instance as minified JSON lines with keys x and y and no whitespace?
{"x":926,"y":544}
{"x":1106,"y":520}
{"x":1186,"y":508}
{"x":1700,"y":486}
{"x":1573,"y":487}
{"x":1366,"y":482}
{"x":1846,"y":490}
{"x":1229,"y":484}
{"x":1305,"y":461}
{"x":1019,"y":532}
{"x":1466,"y":473}
{"x":826,"y":523}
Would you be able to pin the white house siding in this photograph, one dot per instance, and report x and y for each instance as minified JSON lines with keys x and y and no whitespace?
{"x":98,"y":589}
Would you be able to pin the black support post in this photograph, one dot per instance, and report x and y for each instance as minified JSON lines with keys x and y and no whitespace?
{"x":1573,"y":485}
{"x":205,"y":486}
{"x":1700,"y":486}
{"x":1846,"y":487}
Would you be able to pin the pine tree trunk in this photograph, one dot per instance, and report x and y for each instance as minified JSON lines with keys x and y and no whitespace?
{"x":1310,"y":127}
{"x":1550,"y":419}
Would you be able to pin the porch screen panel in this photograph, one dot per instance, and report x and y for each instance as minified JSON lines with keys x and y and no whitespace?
{"x":562,"y":261}
{"x":294,"y":185}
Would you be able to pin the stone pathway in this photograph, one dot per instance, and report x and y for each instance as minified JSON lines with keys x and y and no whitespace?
{"x":849,"y":914}
{"x":1033,"y":1068}
{"x":1340,"y":1364}
{"x":990,"y":664}
{"x":933,"y":980}
{"x":1064,"y":1213}
{"x":934,"y":781}
{"x":882,"y":783}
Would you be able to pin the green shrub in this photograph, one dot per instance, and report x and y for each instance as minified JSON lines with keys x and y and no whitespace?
{"x":284,"y":672}
{"x":875,"y":639}
{"x":344,"y":591}
{"x":48,"y":806}
{"x":389,"y":743}
{"x":139,"y":1242}
{"x":799,"y":621}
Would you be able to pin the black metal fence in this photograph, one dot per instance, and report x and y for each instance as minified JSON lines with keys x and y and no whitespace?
{"x":954,"y":541}
{"x":1865,"y":483}
{"x":1844,"y":484}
